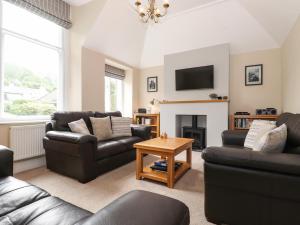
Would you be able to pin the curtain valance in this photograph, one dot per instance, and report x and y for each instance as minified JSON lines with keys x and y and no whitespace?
{"x":57,"y":11}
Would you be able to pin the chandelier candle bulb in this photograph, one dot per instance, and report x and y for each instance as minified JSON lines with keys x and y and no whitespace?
{"x":138,"y":2}
{"x":142,"y":12}
{"x":166,"y":4}
{"x":157,"y":12}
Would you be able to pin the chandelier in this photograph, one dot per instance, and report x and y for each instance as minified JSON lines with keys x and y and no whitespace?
{"x":151,"y":11}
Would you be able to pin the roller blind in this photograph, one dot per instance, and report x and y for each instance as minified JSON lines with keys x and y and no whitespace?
{"x":114,"y":72}
{"x":57,"y":11}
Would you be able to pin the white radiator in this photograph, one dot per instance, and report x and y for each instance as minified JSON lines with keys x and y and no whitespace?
{"x":27,"y":141}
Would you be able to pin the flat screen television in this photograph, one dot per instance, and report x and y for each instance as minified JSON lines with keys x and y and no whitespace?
{"x":195,"y":78}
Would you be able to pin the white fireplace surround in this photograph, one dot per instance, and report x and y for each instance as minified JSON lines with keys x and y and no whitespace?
{"x":216,"y":117}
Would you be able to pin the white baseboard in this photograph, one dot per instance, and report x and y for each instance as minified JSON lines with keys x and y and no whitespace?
{"x":29,"y":164}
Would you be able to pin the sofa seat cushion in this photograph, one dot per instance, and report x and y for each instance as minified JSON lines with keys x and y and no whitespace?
{"x":15,"y":194}
{"x":142,"y":208}
{"x":108,"y":148}
{"x":47,"y":211}
{"x":128,"y":141}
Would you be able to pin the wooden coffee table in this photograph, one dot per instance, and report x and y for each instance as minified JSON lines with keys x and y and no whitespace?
{"x":165,"y":148}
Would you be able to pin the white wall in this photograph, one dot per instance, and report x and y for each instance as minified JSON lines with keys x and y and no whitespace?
{"x":93,"y":69}
{"x":291,"y":70}
{"x":144,"y":96}
{"x":216,"y":55}
{"x":83,"y":19}
{"x":250,"y":98}
{"x":242,"y":98}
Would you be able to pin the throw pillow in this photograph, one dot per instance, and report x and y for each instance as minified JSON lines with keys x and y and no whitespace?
{"x":258,"y":129}
{"x":273,"y":141}
{"x":79,"y":126}
{"x":102,"y":128}
{"x":121,"y":126}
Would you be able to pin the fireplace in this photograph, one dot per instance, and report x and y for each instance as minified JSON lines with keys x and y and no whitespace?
{"x":192,"y":126}
{"x":211,"y":115}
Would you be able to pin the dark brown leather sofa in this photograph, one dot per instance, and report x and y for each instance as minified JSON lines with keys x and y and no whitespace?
{"x":243,"y":187}
{"x":81,"y":156}
{"x":24,"y":204}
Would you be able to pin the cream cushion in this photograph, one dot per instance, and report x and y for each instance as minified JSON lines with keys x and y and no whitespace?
{"x":273,"y":141}
{"x":101,"y":128}
{"x":79,"y":126}
{"x":258,"y":129}
{"x":121,"y":126}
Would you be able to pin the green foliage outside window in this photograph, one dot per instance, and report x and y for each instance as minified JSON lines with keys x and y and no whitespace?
{"x":24,"y":79}
{"x":28,"y":107}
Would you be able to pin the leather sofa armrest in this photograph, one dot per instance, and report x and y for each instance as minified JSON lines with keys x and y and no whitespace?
{"x":6,"y":162}
{"x":143,"y":132}
{"x":245,"y":158}
{"x":70,"y":137}
{"x":234,"y":137}
{"x":49,"y":126}
{"x":141,"y":207}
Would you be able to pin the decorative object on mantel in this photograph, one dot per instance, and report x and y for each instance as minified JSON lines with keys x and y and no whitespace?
{"x":225,"y":97}
{"x":151,"y":11}
{"x":152,"y":84}
{"x":213,"y":96}
{"x":254,"y":75}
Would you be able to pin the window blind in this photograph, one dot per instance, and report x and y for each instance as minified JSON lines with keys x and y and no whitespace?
{"x":57,"y":11}
{"x":114,"y":72}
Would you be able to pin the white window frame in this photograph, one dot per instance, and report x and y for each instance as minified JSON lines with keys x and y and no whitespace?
{"x":63,"y":71}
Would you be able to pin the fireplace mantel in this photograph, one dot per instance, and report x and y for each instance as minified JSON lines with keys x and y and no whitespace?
{"x":192,"y":101}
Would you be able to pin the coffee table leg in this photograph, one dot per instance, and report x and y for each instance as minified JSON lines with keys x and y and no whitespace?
{"x":171,"y":171}
{"x":139,"y":164}
{"x":189,"y":156}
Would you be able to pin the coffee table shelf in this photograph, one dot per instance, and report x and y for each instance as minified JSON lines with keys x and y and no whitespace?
{"x":162,"y":176}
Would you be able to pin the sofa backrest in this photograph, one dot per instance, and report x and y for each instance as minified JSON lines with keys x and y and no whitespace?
{"x":101,"y":114}
{"x":60,"y":120}
{"x":293,"y":124}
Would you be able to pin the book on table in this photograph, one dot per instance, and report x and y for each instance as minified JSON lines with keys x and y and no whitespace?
{"x":163,"y":165}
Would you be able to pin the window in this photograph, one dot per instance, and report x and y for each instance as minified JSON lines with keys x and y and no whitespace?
{"x":114,"y":89}
{"x":113,"y":94}
{"x":32,"y":72}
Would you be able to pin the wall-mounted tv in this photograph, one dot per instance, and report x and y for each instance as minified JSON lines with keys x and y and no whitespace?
{"x":195,"y":78}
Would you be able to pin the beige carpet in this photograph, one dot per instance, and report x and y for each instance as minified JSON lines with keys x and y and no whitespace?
{"x":108,"y":187}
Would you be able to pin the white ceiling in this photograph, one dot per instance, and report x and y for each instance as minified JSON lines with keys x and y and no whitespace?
{"x":247,"y":25}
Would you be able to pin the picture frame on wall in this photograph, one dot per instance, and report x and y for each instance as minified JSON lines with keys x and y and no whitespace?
{"x":152,"y":84}
{"x":254,"y":75}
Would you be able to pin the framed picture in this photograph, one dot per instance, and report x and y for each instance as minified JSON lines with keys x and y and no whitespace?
{"x":254,"y":75}
{"x":152,"y":85}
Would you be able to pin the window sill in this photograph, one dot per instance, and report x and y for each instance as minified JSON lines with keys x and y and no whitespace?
{"x":16,"y":122}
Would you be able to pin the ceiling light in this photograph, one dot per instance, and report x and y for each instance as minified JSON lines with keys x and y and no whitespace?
{"x":151,"y":11}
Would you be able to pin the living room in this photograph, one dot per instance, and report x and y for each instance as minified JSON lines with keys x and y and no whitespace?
{"x":203,"y":93}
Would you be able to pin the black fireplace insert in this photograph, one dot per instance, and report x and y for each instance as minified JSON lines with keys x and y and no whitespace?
{"x":196,"y":133}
